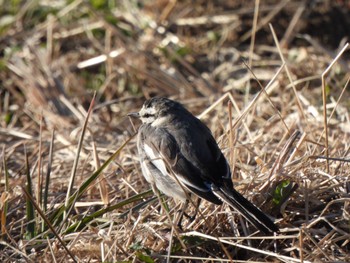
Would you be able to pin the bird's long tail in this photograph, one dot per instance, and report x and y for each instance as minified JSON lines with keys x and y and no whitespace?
{"x":253,"y":214}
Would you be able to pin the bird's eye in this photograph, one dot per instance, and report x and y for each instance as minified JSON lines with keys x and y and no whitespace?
{"x":147,"y":115}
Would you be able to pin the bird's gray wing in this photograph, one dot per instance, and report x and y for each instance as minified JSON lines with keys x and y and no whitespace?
{"x":155,"y":170}
{"x":169,"y":159}
{"x":202,"y":151}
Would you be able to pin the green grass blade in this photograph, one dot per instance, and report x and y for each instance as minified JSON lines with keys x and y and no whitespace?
{"x":41,"y":213}
{"x":85,"y":185}
{"x":83,"y":222}
{"x":4,"y":199}
{"x":49,"y":168}
{"x":45,"y":192}
{"x":76,"y":160}
{"x":29,"y":205}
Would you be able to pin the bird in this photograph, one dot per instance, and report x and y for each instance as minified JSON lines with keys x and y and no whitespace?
{"x":179,"y":156}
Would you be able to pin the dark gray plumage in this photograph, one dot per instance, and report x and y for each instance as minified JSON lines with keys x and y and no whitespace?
{"x":173,"y":143}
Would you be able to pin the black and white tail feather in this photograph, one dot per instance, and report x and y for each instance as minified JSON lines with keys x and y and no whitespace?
{"x":253,"y":214}
{"x":173,"y":143}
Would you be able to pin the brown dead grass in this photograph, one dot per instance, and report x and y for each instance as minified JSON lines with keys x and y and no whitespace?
{"x":191,"y":53}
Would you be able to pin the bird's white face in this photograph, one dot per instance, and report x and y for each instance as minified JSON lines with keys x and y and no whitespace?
{"x":152,"y":114}
{"x":148,"y":114}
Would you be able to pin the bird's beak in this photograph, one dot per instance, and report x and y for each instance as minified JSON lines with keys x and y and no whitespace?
{"x":134,"y":114}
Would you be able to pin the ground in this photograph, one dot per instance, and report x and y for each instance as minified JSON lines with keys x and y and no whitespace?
{"x":269,"y":78}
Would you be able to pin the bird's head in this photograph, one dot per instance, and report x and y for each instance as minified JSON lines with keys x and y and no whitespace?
{"x":156,"y":111}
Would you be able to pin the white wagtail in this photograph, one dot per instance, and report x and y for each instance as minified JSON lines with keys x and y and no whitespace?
{"x":179,"y":155}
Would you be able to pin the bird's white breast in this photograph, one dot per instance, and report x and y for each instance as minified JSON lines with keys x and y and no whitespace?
{"x":156,"y":159}
{"x":162,"y":179}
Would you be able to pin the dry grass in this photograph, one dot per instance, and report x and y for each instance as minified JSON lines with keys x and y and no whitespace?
{"x":55,"y":56}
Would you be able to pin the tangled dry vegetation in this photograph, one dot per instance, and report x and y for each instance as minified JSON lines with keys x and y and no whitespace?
{"x":266,"y":80}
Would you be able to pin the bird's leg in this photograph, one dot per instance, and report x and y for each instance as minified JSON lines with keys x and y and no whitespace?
{"x":193,"y":217}
{"x":183,"y":213}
